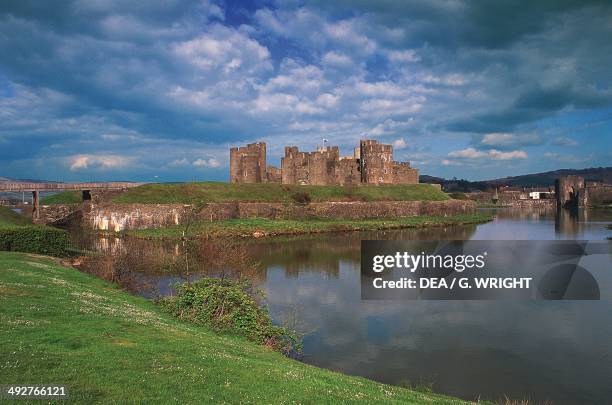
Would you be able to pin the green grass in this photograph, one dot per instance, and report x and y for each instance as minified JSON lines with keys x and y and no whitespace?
{"x":224,"y":192}
{"x":65,"y":197}
{"x":10,"y":217}
{"x":246,"y":227}
{"x":18,"y":233}
{"x":60,"y":326}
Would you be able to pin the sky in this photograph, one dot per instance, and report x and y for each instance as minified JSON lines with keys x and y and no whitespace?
{"x":160,"y":90}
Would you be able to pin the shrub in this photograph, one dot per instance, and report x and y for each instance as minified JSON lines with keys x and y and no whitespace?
{"x":227,"y":305}
{"x":301,"y":197}
{"x":458,"y":196}
{"x":34,"y":239}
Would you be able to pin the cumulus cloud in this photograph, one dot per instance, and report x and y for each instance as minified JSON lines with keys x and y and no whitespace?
{"x":510,"y":140}
{"x":564,"y":141}
{"x":399,"y":143}
{"x":85,"y":162}
{"x":211,"y":162}
{"x":471,"y":153}
{"x":179,"y":77}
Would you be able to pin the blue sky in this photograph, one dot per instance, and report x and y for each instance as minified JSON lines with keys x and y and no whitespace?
{"x":159,"y":90}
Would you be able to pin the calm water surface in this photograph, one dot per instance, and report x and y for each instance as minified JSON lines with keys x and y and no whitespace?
{"x":538,"y":350}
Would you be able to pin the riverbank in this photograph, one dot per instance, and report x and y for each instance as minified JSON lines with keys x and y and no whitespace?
{"x":17,"y":233}
{"x":62,"y":326}
{"x":260,"y":227}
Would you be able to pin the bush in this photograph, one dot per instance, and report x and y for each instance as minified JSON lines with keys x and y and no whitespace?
{"x":34,"y":239}
{"x":458,"y":196}
{"x":301,"y":197}
{"x":227,"y":305}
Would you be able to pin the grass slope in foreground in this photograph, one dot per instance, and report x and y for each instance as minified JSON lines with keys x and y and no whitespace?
{"x":58,"y":325}
{"x":187,"y":193}
{"x":246,"y":227}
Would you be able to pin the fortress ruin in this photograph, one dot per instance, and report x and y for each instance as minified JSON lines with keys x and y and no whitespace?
{"x":371,"y":163}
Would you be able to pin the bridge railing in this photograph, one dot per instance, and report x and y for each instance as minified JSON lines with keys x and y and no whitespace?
{"x":22,"y":186}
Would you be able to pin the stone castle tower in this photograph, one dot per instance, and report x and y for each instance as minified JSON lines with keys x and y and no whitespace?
{"x":248,"y":163}
{"x":376,"y":162}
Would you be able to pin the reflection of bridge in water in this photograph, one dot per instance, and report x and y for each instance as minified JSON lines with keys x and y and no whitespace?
{"x":85,"y":188}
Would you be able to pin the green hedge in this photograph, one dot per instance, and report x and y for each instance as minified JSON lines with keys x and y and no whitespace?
{"x":34,"y":239}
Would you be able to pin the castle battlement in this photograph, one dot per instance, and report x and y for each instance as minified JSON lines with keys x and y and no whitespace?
{"x":372,"y":163}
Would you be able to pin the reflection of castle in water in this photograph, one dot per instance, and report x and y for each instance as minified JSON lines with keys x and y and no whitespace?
{"x":567,"y":221}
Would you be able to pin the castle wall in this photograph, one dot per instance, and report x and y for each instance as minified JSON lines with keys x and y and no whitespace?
{"x":316,"y":168}
{"x":598,"y":194}
{"x":347,"y":172}
{"x":404,"y":174}
{"x":248,"y":163}
{"x":322,"y":166}
{"x":372,"y":164}
{"x":121,"y":217}
{"x":273,"y":174}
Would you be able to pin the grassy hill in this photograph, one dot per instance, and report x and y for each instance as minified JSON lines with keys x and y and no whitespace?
{"x":10,"y":217}
{"x":544,"y":179}
{"x":224,"y":192}
{"x":60,"y":326}
{"x":64,"y":197}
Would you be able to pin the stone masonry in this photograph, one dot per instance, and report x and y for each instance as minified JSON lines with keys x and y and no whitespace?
{"x":372,"y":163}
{"x":248,"y":164}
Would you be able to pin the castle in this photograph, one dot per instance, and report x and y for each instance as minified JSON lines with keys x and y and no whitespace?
{"x":371,"y":163}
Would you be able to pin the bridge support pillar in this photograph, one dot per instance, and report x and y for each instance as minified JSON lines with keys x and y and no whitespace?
{"x":35,"y":205}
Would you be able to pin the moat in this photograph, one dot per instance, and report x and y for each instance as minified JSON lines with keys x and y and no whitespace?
{"x":538,"y":350}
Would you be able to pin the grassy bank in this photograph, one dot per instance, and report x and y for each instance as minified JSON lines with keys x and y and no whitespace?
{"x":246,"y":227}
{"x":65,"y":197}
{"x":17,"y":233}
{"x":10,"y":217}
{"x":223,"y":192}
{"x":60,"y":326}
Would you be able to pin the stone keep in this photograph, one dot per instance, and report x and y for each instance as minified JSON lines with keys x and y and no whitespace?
{"x":248,"y":164}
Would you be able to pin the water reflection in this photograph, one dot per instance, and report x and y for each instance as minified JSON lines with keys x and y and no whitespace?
{"x":539,"y":350}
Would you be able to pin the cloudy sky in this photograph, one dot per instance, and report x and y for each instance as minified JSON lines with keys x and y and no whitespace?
{"x":159,"y":90}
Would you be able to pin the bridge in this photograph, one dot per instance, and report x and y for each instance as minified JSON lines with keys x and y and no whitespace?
{"x":85,"y":188}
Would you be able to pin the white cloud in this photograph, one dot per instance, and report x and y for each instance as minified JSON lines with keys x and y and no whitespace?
{"x":84,"y":162}
{"x":403,"y":56}
{"x":507,"y":139}
{"x":449,"y":162}
{"x":224,"y":50}
{"x":564,"y":141}
{"x":179,"y":163}
{"x":399,"y":143}
{"x":452,"y":79}
{"x":471,"y":153}
{"x":389,"y":127}
{"x":212,"y":163}
{"x":336,"y":59}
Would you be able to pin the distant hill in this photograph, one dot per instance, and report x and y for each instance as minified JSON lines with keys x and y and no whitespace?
{"x":544,"y":179}
{"x":548,"y":178}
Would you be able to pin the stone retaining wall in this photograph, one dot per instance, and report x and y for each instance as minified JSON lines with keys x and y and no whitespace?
{"x":119,"y":217}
